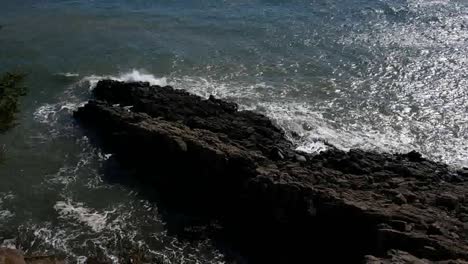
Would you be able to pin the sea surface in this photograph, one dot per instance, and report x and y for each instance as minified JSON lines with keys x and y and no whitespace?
{"x":384,"y":75}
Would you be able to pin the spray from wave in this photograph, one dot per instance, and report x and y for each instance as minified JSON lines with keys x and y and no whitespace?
{"x":132,"y":76}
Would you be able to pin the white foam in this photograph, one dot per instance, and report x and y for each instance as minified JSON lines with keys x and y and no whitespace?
{"x":50,"y":113}
{"x":350,"y":128}
{"x":312,"y":147}
{"x":131,"y":76}
{"x":57,"y":238}
{"x":45,"y":113}
{"x":97,"y":221}
{"x":68,"y":74}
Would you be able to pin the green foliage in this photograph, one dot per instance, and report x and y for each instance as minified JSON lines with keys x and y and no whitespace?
{"x":10,"y":92}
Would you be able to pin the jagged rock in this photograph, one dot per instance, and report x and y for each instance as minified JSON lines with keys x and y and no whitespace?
{"x":238,"y":167}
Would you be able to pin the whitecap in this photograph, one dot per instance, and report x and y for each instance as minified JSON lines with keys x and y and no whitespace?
{"x":131,"y":76}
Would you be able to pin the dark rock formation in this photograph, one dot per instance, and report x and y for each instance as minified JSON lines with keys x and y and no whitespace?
{"x":274,"y":204}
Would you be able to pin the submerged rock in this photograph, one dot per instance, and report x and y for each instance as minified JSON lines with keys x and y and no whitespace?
{"x":11,"y":256}
{"x":276,"y":204}
{"x":14,"y":256}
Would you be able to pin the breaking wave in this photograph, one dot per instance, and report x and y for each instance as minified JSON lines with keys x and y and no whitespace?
{"x":131,"y":76}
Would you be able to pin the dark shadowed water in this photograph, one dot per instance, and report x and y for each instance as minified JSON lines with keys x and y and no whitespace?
{"x":386,"y":75}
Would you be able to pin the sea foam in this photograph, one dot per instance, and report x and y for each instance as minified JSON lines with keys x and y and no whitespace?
{"x":131,"y":76}
{"x":97,"y":221}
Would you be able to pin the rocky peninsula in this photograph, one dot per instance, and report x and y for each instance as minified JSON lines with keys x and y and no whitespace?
{"x":267,"y":203}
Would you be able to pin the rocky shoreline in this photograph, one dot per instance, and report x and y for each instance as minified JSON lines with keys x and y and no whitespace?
{"x":266,"y":202}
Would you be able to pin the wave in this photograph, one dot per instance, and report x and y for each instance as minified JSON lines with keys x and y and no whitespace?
{"x":131,"y":76}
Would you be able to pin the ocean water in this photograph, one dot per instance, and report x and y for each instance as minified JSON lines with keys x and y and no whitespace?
{"x":384,"y":75}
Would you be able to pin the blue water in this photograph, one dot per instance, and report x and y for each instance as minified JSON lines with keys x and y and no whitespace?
{"x":388,"y":75}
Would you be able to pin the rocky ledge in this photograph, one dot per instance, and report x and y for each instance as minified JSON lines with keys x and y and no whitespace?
{"x":275,"y":204}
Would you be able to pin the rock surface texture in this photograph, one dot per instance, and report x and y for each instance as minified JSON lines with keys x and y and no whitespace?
{"x":278,"y":205}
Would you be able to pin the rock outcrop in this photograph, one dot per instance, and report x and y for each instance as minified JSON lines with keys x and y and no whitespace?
{"x":274,"y":203}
